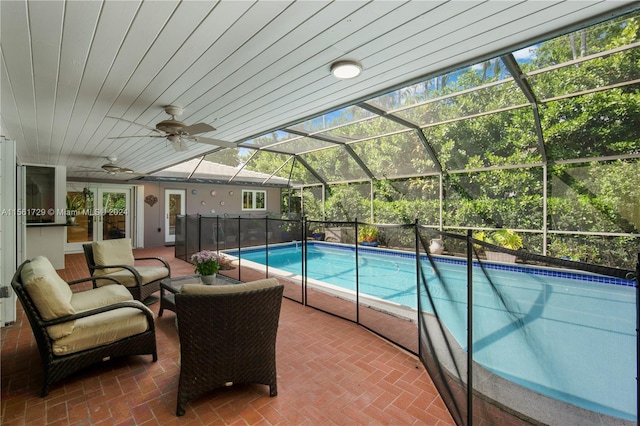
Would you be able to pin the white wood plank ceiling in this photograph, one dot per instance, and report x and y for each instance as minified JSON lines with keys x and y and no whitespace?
{"x":243,"y":67}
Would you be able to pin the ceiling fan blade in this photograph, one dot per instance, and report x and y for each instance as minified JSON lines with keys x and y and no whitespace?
{"x":211,"y":141}
{"x":137,"y":124}
{"x":136,"y":177}
{"x":194,"y":129}
{"x":137,"y":136}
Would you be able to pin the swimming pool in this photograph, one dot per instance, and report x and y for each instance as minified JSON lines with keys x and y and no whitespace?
{"x":565,"y":335}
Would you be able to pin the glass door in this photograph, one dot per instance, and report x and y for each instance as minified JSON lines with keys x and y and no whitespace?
{"x":80,"y":224}
{"x":174,"y":204}
{"x":95,"y":214}
{"x":113,"y":214}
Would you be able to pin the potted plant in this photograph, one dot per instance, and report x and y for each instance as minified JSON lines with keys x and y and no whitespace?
{"x":368,"y":235}
{"x":207,"y":264}
{"x":505,"y":238}
{"x":74,"y":204}
{"x":318,"y":234}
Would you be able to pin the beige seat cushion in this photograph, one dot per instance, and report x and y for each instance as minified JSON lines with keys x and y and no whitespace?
{"x":112,"y":252}
{"x":50,"y":293}
{"x":230,"y":288}
{"x":90,"y":299}
{"x":126,"y":278}
{"x":102,"y":329}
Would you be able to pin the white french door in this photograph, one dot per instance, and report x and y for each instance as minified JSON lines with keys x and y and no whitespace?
{"x":98,"y":213}
{"x":174,"y":204}
{"x":114,"y":213}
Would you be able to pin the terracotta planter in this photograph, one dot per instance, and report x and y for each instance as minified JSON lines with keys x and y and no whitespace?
{"x":498,"y":256}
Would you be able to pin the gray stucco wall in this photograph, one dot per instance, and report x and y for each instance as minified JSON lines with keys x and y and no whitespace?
{"x":223,"y":202}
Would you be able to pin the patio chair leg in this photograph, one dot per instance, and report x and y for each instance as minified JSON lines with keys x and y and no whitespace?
{"x":179,"y":410}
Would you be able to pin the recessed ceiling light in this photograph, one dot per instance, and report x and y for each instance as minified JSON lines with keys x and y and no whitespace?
{"x":346,"y":69}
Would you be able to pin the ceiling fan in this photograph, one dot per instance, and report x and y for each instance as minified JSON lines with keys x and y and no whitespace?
{"x":177,"y":132}
{"x":113,"y":169}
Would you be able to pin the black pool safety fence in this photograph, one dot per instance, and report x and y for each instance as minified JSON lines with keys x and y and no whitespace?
{"x":505,"y":334}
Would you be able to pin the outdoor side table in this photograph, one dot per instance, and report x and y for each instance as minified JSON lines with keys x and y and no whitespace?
{"x":170,"y":286}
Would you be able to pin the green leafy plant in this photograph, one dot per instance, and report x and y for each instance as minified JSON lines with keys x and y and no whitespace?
{"x":74,"y":204}
{"x":505,"y":238}
{"x":367,"y":233}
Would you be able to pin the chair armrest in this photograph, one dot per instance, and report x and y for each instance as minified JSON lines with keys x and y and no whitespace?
{"x":164,"y":262}
{"x":127,"y":267}
{"x":84,"y":280}
{"x":90,"y":312}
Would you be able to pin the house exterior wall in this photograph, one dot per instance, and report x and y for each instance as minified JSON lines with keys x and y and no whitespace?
{"x":227,"y":200}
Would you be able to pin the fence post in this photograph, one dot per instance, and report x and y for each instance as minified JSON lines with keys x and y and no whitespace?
{"x":469,"y":328}
{"x":637,"y":331}
{"x":416,"y":235}
{"x":199,"y":216}
{"x":357,"y":277}
{"x":266,"y":245}
{"x":217,"y":234}
{"x":239,"y":256}
{"x":303,"y":253}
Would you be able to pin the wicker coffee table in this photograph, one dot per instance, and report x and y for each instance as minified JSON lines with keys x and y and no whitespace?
{"x":170,"y":286}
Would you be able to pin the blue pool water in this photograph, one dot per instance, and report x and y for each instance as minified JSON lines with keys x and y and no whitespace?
{"x":568,"y":336}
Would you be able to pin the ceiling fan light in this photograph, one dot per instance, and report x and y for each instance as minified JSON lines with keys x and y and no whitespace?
{"x":346,"y":69}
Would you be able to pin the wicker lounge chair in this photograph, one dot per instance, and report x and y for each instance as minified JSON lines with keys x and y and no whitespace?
{"x":114,"y":258}
{"x":227,"y":336}
{"x":71,"y":328}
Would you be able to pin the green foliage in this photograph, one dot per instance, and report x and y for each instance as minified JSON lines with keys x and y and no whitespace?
{"x":312,"y":199}
{"x":348,"y":203}
{"x":74,"y":203}
{"x":114,"y":201}
{"x":595,"y":197}
{"x":367,"y":233}
{"x":575,"y":252}
{"x":506,"y":238}
{"x":598,"y":124}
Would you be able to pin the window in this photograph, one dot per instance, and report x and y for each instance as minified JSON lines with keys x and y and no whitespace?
{"x":254,"y":200}
{"x":40,"y":198}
